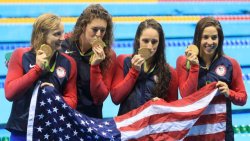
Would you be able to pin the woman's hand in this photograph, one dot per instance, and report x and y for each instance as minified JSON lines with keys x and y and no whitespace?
{"x":98,"y":56}
{"x":41,"y":59}
{"x":137,"y":62}
{"x":191,"y":56}
{"x":223,"y":88}
{"x":156,"y":99}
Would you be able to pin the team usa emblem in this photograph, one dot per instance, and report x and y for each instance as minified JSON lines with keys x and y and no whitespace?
{"x":60,"y":72}
{"x":221,"y":70}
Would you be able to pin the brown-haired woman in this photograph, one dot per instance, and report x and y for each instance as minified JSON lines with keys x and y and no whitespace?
{"x":143,"y":75}
{"x":95,"y":60}
{"x":208,"y":63}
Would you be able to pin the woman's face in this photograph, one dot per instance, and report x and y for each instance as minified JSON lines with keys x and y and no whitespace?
{"x":97,"y":27}
{"x":149,"y":39}
{"x":209,"y":41}
{"x":55,"y":37}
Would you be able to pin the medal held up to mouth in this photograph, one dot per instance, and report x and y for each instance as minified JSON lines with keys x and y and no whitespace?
{"x":145,"y":52}
{"x":97,"y":41}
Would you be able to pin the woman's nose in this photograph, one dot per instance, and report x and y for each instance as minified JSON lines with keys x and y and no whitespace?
{"x":210,"y":41}
{"x":98,"y":33}
{"x":149,"y":45}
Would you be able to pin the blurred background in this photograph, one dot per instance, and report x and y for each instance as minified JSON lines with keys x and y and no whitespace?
{"x":178,"y":18}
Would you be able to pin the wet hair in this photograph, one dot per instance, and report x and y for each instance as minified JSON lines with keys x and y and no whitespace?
{"x":201,"y":25}
{"x":41,"y":27}
{"x":92,"y":12}
{"x":162,"y":71}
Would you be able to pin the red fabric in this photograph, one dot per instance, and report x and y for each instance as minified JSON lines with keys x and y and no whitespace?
{"x":17,"y":82}
{"x":122,"y":85}
{"x":188,"y":79}
{"x":70,"y":92}
{"x":177,"y":120}
{"x":100,"y":83}
{"x":237,"y":92}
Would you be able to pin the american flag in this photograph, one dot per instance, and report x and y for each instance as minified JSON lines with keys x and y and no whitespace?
{"x":192,"y":118}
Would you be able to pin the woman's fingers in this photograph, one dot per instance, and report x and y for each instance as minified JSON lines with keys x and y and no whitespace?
{"x":223,"y":88}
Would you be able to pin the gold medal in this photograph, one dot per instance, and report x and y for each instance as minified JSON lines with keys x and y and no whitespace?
{"x":144,"y":52}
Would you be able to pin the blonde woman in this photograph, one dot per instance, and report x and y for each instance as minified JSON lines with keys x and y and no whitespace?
{"x":28,"y":66}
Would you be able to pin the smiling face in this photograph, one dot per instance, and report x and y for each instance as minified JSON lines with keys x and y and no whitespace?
{"x":55,"y":37}
{"x":209,"y":42}
{"x":149,"y":39}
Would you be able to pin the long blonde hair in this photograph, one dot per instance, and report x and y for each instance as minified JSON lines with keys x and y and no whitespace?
{"x":41,"y":27}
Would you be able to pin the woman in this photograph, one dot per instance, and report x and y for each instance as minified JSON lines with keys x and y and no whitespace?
{"x":143,"y":76}
{"x":28,"y":66}
{"x":211,"y":65}
{"x":95,"y":61}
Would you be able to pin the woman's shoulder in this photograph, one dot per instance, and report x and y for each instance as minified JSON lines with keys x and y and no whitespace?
{"x":232,"y":60}
{"x":21,"y":51}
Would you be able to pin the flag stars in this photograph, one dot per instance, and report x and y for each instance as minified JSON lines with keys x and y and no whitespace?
{"x":104,"y":134}
{"x":75,"y":133}
{"x":106,"y":123}
{"x":92,"y":121}
{"x":64,"y":106}
{"x":55,"y":120}
{"x":43,"y":91}
{"x":109,"y":130}
{"x":42,"y":103}
{"x":67,"y":137}
{"x":41,"y":116}
{"x":100,"y":126}
{"x":46,"y":136}
{"x":78,"y":115}
{"x":96,"y":137}
{"x":58,"y":98}
{"x":49,"y":100}
{"x":39,"y":129}
{"x":82,"y":122}
{"x":87,"y":122}
{"x":76,"y":123}
{"x":54,"y":130}
{"x":62,"y":117}
{"x":49,"y":111}
{"x":68,"y":125}
{"x":90,"y":130}
{"x":55,"y":109}
{"x":47,"y":123}
{"x":60,"y":129}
